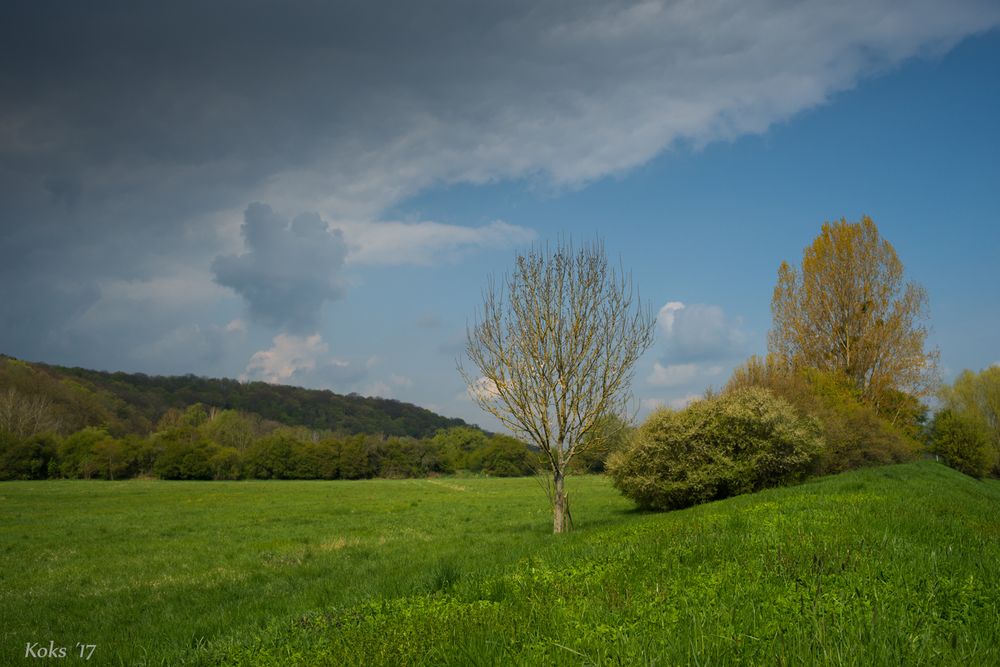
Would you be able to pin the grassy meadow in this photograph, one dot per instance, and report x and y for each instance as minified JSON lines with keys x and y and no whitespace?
{"x":895,"y":565}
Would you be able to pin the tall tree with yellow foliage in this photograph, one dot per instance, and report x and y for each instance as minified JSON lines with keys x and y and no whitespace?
{"x":848,"y":310}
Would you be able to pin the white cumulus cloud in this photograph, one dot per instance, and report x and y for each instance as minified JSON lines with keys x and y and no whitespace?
{"x":304,"y":361}
{"x":698,"y":333}
{"x":287,"y":357}
{"x":482,"y":389}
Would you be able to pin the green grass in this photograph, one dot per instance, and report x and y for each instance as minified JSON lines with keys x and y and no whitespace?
{"x":148,"y":570}
{"x":895,"y":565}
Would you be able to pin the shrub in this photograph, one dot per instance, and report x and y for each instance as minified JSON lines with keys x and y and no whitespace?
{"x":76,"y":453}
{"x":271,"y":457}
{"x":739,"y":442}
{"x":354,"y":462}
{"x":26,"y":458}
{"x":502,"y":456}
{"x":455,"y":445}
{"x":315,"y":460}
{"x":856,"y":435}
{"x":977,"y":396}
{"x":226,"y":463}
{"x":398,"y":458}
{"x":183,"y":454}
{"x":109,"y":459}
{"x":963,"y":442}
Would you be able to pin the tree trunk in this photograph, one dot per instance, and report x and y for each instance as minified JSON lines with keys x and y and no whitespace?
{"x":560,"y":507}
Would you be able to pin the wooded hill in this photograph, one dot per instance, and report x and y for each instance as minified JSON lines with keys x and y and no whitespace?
{"x":133,"y":403}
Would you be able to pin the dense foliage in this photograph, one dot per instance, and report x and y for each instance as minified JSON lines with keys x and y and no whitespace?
{"x":739,"y":442}
{"x":848,"y":310}
{"x":854,"y":434}
{"x":124,"y":403}
{"x":211,"y":444}
{"x":974,"y":399}
{"x":962,"y":442}
{"x":79,"y":424}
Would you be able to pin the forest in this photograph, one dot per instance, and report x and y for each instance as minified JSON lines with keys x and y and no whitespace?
{"x":81,"y":424}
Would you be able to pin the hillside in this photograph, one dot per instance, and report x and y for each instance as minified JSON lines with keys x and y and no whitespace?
{"x":892,"y":565}
{"x":132,"y":403}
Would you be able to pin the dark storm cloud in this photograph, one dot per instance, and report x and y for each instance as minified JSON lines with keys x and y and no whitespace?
{"x":132,"y":134}
{"x":288,"y":271}
{"x":94,"y":88}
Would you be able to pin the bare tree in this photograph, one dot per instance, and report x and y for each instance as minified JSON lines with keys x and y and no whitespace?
{"x":26,"y":415}
{"x":554,"y":352}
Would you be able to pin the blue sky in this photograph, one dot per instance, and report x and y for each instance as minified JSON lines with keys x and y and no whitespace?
{"x":324,"y":209}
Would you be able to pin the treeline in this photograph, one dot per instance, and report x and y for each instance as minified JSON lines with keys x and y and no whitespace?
{"x":133,"y":404}
{"x":203,"y":443}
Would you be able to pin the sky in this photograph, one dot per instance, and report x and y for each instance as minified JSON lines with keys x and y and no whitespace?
{"x":316,"y":193}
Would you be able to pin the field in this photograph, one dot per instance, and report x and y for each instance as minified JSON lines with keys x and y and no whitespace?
{"x":895,"y":565}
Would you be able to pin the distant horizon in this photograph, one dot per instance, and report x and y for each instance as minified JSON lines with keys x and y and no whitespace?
{"x":232,"y":379}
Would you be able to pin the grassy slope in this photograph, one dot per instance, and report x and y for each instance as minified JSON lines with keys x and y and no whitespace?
{"x":893,"y":565}
{"x":897,"y":565}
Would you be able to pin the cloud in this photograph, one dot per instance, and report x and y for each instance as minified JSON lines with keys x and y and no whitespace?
{"x":698,"y":343}
{"x":388,"y":388}
{"x":129,"y":147}
{"x":303,"y":361}
{"x":348,"y":109}
{"x":668,"y":313}
{"x":400,"y":381}
{"x":648,"y":405}
{"x":482,"y":389}
{"x":288,"y":271}
{"x":676,"y":375}
{"x":698,"y":332}
{"x":29,"y":330}
{"x":424,"y":243}
{"x":191,"y":342}
{"x":122,"y":300}
{"x":429,"y":320}
{"x":287,"y":357}
{"x":163,"y":324}
{"x":682,"y":402}
{"x":671,"y":376}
